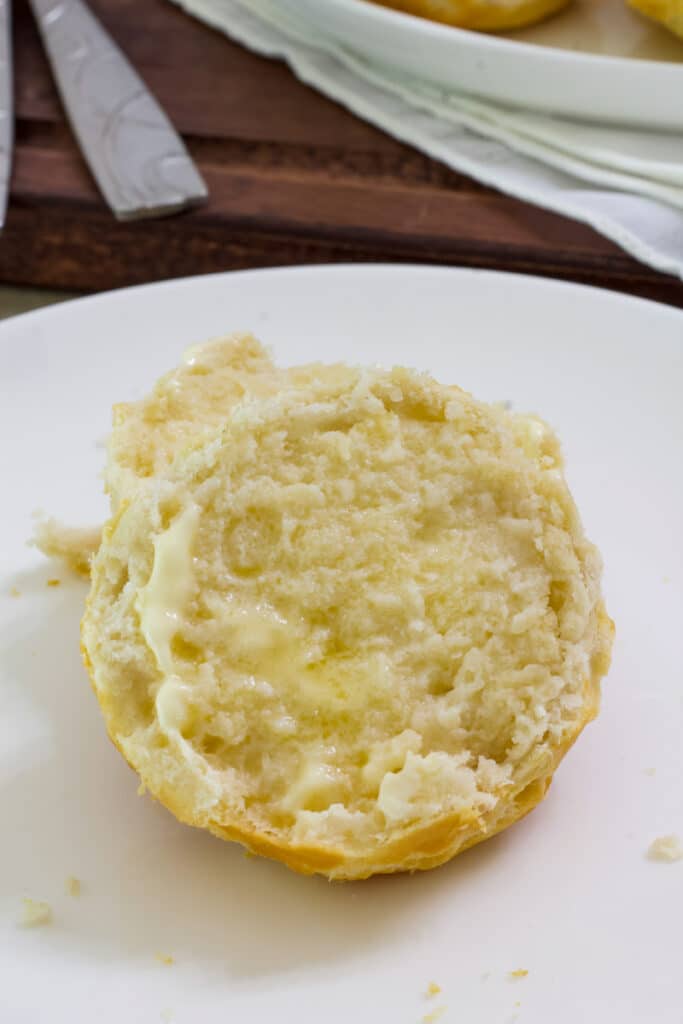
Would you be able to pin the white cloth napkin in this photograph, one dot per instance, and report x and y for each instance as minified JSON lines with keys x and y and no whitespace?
{"x":626,"y":183}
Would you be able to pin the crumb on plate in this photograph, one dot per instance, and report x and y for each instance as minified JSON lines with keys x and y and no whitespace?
{"x":73,"y":886}
{"x":431,"y":1018}
{"x":35,"y":913}
{"x":53,"y":582}
{"x":164,"y":958}
{"x":521,"y":972}
{"x":14,"y":592}
{"x":73,"y":546}
{"x":650,"y":771}
{"x":432,"y":989}
{"x":667,"y":848}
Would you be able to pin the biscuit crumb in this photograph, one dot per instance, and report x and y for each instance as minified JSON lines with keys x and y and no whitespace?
{"x":14,"y":592}
{"x":650,"y":771}
{"x":35,"y":913}
{"x":431,"y":1018}
{"x":521,"y":972}
{"x":73,"y":886}
{"x":432,"y":989}
{"x":164,"y":958}
{"x":71,"y":545}
{"x":668,"y":848}
{"x":54,"y":582}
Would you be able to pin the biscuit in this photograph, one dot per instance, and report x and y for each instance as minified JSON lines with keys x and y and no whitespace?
{"x":356,"y":629}
{"x":480,"y":15}
{"x":667,"y":12}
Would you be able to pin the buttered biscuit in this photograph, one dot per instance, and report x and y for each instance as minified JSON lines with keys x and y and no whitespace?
{"x":355,"y":628}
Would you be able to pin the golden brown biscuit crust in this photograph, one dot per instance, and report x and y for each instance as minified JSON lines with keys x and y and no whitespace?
{"x":480,"y":15}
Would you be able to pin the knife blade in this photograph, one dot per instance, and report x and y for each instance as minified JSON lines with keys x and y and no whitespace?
{"x":136,"y":156}
{"x":6,"y":106}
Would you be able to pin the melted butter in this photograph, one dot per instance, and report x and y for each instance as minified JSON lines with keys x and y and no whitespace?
{"x":161,"y":604}
{"x":346,"y":683}
{"x":173,"y":704}
{"x":259,"y":637}
{"x":267,"y":647}
{"x":318,"y":785}
{"x":261,"y":644}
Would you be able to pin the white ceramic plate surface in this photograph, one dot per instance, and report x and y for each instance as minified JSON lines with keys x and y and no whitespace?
{"x":567,"y":894}
{"x":597,"y":60}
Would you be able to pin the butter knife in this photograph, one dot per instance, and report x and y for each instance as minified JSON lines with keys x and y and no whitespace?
{"x":136,"y":156}
{"x":6,"y":106}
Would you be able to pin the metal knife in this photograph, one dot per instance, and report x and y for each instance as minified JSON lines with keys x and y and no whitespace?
{"x":6,"y":106}
{"x":133,"y":150}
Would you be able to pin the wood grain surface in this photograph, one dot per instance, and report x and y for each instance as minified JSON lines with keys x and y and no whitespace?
{"x":293,"y":178}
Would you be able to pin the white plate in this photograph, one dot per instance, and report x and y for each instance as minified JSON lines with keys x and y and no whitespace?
{"x":511,"y":70}
{"x":567,"y":894}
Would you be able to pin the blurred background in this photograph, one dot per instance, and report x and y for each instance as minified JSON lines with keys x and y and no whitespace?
{"x":292,"y":176}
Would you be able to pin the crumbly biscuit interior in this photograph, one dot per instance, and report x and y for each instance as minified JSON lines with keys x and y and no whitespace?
{"x":351,"y":611}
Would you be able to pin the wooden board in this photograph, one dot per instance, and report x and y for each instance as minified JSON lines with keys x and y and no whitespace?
{"x":293,"y":178}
